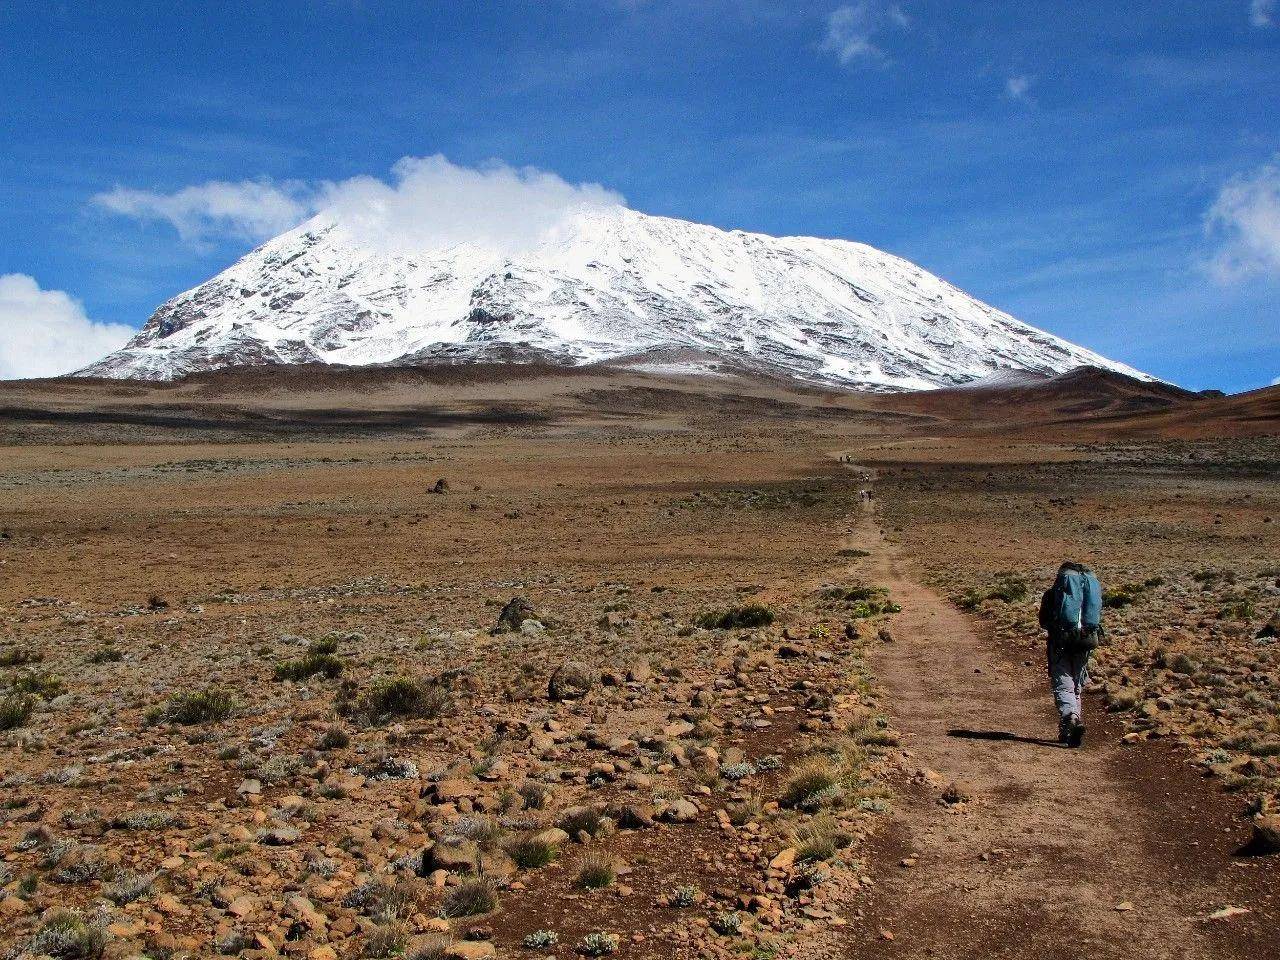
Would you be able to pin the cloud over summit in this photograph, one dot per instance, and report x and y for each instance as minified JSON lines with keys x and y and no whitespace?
{"x":427,"y":203}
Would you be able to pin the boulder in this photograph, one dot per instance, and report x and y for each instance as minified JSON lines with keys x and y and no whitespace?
{"x":1271,"y":628}
{"x":1266,"y":834}
{"x":515,"y":613}
{"x":470,"y":950}
{"x":455,"y":854}
{"x":450,"y":791}
{"x":680,"y":810}
{"x":635,"y":816}
{"x":552,"y":837}
{"x":497,"y":864}
{"x":572,"y":680}
{"x":279,"y":836}
{"x":954,"y":794}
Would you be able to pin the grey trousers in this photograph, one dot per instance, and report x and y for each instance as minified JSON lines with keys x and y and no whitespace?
{"x":1068,"y":673}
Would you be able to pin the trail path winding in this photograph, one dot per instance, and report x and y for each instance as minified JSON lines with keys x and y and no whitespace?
{"x":1111,"y":851}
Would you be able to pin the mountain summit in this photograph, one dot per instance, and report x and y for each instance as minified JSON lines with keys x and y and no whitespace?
{"x":607,"y":284}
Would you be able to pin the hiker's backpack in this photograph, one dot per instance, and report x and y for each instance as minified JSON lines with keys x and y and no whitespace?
{"x":1072,"y":608}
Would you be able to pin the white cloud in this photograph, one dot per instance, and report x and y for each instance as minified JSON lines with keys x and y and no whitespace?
{"x":1246,"y":219}
{"x":432,"y":203}
{"x":851,"y":28}
{"x":1018,"y":88}
{"x":428,"y":202}
{"x":1262,"y":13}
{"x":45,"y":333}
{"x":247,"y":210}
{"x":1276,"y":382}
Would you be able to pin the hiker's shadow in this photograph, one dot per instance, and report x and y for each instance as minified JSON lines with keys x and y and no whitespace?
{"x":1003,"y":735}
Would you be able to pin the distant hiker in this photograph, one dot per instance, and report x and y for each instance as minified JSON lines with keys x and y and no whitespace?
{"x":1071,"y":612}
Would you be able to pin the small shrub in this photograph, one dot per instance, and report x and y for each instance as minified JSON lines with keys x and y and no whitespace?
{"x":484,"y":832}
{"x":106,"y":654}
{"x":434,"y":947}
{"x":727,"y":924}
{"x":279,"y":767}
{"x":16,"y":710}
{"x":1008,"y":587}
{"x":579,"y":819}
{"x":44,"y":685}
{"x":385,"y":941}
{"x":867,"y":601}
{"x":403,"y":697}
{"x":807,"y":781}
{"x":144,"y":820}
{"x":335,"y":738}
{"x":534,"y":794}
{"x":205,"y":706}
{"x":737,"y":618}
{"x":468,"y":899}
{"x":596,"y":871}
{"x":820,"y":839}
{"x":531,"y":851}
{"x":750,"y":810}
{"x":66,"y":935}
{"x":857,"y":593}
{"x":1238,"y":606}
{"x":873,"y":732}
{"x":683,"y":896}
{"x":541,"y":940}
{"x":366,"y":896}
{"x":128,"y":886}
{"x":1125,"y":594}
{"x":1207,"y":578}
{"x":75,"y":862}
{"x":19,"y":657}
{"x":308,"y":666}
{"x":323,"y":647}
{"x":402,"y":898}
{"x":598,"y":944}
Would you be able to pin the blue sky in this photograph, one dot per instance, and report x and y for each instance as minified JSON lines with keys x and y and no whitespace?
{"x":1105,"y":171}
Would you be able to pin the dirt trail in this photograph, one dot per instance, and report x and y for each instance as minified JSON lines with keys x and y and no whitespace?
{"x":1110,"y":851}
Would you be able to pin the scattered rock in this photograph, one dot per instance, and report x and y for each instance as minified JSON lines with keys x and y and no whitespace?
{"x":1226,"y":913}
{"x":572,"y":680}
{"x":515,"y":613}
{"x":954,"y":794}
{"x":1266,"y":834}
{"x":470,"y":950}
{"x":680,"y":810}
{"x":454,"y":854}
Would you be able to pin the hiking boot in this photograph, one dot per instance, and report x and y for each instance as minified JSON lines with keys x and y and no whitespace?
{"x":1065,"y":727}
{"x":1075,"y":733}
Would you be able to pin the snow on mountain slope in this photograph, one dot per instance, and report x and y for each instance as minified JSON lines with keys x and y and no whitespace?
{"x":608,"y":284}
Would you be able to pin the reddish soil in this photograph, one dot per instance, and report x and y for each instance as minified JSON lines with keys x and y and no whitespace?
{"x":1109,"y":851}
{"x":268,"y":510}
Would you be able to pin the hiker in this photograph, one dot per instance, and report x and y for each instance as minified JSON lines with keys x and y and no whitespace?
{"x":1071,"y":613}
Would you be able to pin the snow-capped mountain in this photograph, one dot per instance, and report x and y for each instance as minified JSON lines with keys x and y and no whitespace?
{"x":609,"y":284}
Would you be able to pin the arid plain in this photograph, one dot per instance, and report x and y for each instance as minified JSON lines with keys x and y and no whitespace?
{"x":523,"y":661}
